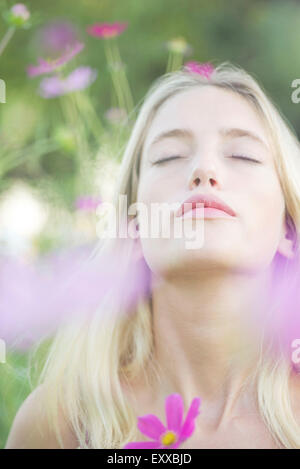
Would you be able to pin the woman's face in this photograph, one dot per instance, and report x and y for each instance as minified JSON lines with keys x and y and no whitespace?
{"x":206,"y":165}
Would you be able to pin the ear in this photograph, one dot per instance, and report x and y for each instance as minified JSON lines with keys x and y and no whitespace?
{"x":138,"y":250}
{"x":288,"y":238}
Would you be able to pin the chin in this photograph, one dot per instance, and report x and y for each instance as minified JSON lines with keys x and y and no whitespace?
{"x":194,"y":261}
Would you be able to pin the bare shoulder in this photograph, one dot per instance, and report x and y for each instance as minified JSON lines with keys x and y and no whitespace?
{"x":30,"y":428}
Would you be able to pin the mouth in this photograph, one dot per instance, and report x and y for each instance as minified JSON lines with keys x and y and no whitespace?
{"x":206,"y":212}
{"x":204,"y":206}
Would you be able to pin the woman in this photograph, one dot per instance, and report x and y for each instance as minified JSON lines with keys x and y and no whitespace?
{"x":192,"y":336}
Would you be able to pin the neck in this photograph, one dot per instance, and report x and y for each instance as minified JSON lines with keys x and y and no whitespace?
{"x":205,"y":342}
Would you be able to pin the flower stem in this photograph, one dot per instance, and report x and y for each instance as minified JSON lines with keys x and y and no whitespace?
{"x":112,"y":62}
{"x":123,"y":76}
{"x":84,"y":104}
{"x":175,"y":61}
{"x":7,"y":37}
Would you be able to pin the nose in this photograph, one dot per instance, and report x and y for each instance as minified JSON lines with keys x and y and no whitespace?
{"x":203,"y":175}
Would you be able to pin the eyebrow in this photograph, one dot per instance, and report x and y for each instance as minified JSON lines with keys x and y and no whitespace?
{"x":187,"y":134}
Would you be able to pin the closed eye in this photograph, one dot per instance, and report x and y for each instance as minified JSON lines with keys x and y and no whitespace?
{"x":239,"y":157}
{"x":167,"y":159}
{"x":247,"y":158}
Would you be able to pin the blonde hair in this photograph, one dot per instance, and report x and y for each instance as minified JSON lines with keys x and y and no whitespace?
{"x":90,"y":359}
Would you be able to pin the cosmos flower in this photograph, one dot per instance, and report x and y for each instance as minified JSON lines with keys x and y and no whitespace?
{"x":17,"y":16}
{"x":37,"y":297}
{"x":282,"y":321}
{"x":49,"y":66}
{"x":19,"y":10}
{"x":175,"y":432}
{"x":78,"y":79}
{"x":55,"y":37}
{"x":106,"y":30}
{"x":205,"y":69}
{"x":87,"y":203}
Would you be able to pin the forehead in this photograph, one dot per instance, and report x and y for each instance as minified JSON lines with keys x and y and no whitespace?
{"x":205,"y":110}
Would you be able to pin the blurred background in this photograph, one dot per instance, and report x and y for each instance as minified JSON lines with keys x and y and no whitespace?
{"x":73,"y":76}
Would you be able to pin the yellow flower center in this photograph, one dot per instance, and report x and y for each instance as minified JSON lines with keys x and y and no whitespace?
{"x":169,"y":438}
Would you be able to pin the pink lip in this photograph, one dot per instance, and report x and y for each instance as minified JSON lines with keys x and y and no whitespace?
{"x":205,"y":212}
{"x":213,"y":207}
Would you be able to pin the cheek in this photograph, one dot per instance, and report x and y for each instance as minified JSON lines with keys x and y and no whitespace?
{"x":159,"y":186}
{"x":266,"y":212}
{"x":154,"y":189}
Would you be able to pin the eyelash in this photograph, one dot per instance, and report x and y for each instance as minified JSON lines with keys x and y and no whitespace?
{"x":240,"y":157}
{"x":166,"y":159}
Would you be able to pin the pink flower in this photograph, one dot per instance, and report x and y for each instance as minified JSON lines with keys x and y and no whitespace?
{"x":19,"y":10}
{"x":87,"y":202}
{"x":205,"y":69}
{"x":78,"y":285}
{"x":106,"y":30}
{"x":176,"y":431}
{"x":18,"y":16}
{"x":79,"y":79}
{"x":45,"y":66}
{"x":55,"y":37}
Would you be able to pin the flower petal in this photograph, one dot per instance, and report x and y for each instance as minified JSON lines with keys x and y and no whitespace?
{"x":151,"y":426}
{"x":80,"y":78}
{"x":205,"y":69}
{"x":44,"y":67}
{"x":174,"y":411}
{"x":143,"y":445}
{"x":106,"y":30}
{"x":189,"y":423}
{"x":51,"y":87}
{"x":69,"y":54}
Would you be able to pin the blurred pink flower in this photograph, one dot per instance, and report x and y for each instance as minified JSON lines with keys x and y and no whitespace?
{"x":37,"y":297}
{"x":18,"y":16}
{"x":87,"y":202}
{"x":205,"y":69}
{"x":19,"y":10}
{"x":283,"y":321}
{"x":175,"y":432}
{"x":56,"y":36}
{"x":106,"y":30}
{"x":79,"y":79}
{"x":45,"y":66}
